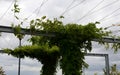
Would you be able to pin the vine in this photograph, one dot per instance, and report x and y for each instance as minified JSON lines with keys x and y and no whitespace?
{"x":17,"y":28}
{"x":48,"y":56}
{"x":67,"y":46}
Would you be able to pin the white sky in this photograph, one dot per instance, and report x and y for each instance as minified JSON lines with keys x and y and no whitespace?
{"x":75,"y":11}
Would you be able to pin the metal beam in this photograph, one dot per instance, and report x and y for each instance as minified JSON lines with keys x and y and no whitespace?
{"x":108,"y":40}
{"x":2,"y":51}
{"x":7,"y":29}
{"x":50,"y":34}
{"x":94,"y":54}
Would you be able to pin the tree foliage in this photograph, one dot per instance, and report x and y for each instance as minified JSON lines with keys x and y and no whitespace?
{"x":66,"y":47}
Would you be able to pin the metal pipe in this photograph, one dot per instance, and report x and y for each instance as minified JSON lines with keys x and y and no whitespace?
{"x":19,"y":59}
{"x":107,"y":64}
{"x":7,"y":29}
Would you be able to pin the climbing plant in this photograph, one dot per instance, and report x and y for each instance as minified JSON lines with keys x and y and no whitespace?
{"x":17,"y":27}
{"x":66,"y":47}
{"x":48,"y":56}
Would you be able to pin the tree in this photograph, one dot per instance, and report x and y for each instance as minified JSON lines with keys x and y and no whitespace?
{"x":2,"y":72}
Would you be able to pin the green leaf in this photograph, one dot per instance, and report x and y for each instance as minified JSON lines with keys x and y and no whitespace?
{"x":43,"y":17}
{"x":61,"y":16}
{"x":32,"y":21}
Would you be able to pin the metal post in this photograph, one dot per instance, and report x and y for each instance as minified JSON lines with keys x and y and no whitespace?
{"x":107,"y":64}
{"x":19,"y":62}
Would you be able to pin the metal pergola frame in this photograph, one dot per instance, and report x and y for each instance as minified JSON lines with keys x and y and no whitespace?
{"x":7,"y":29}
{"x":106,"y":56}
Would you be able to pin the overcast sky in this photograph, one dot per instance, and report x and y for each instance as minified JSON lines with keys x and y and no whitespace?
{"x":107,"y":12}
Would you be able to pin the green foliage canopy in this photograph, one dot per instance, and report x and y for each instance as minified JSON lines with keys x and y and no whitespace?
{"x":66,"y":47}
{"x":46,"y":55}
